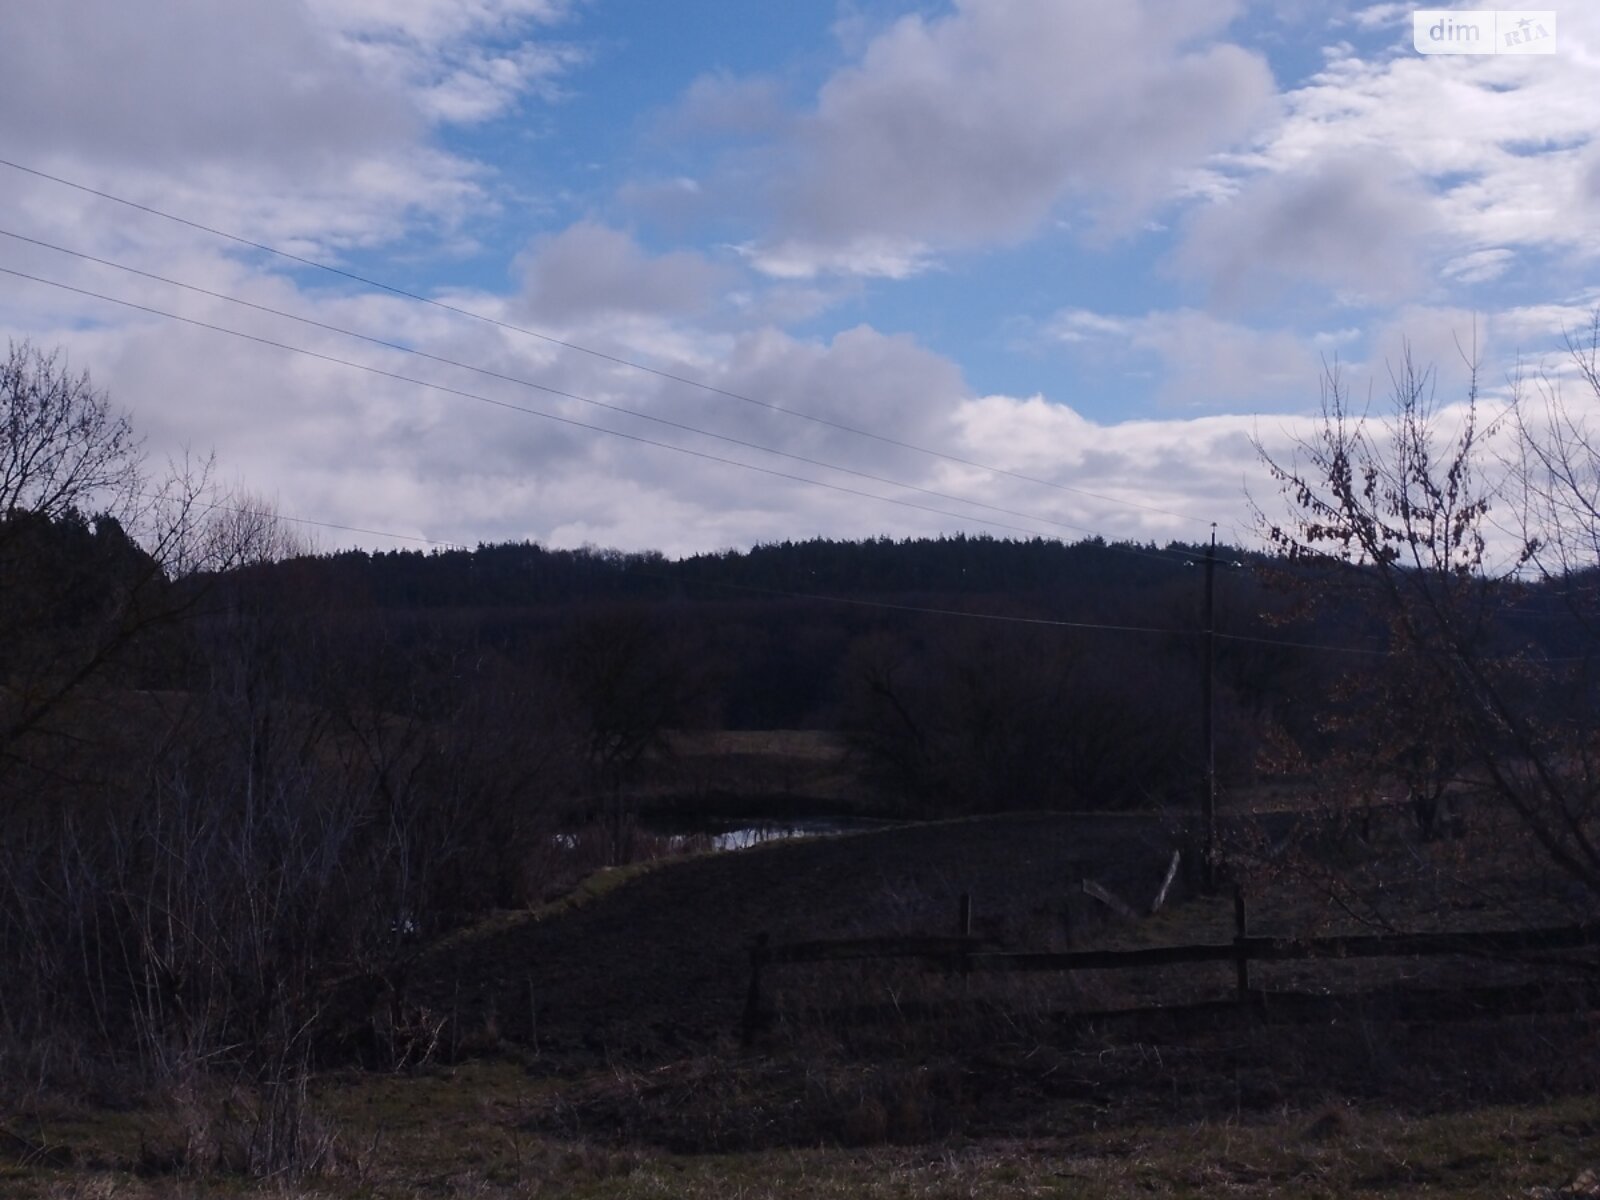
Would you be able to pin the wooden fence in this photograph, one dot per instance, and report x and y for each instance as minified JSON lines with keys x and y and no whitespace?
{"x":966,"y":954}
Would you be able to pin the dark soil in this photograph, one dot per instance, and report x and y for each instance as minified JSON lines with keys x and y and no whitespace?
{"x":662,"y":962}
{"x":631,"y":1003}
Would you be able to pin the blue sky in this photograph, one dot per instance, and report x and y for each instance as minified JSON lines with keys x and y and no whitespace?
{"x":1106,"y":247}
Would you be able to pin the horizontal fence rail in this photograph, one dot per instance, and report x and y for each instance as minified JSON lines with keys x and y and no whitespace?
{"x":968,"y":954}
{"x":1278,"y":949}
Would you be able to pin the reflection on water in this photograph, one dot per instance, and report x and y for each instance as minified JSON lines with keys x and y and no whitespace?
{"x":742,"y":835}
{"x":683,"y":836}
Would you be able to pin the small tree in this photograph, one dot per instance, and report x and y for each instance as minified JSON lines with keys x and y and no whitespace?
{"x":624,"y":685}
{"x":1404,"y":504}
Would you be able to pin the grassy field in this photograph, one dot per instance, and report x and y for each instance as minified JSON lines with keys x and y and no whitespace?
{"x":592,"y":1048}
{"x":465,"y":1131}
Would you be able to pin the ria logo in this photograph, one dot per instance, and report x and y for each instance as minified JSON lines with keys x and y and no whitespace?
{"x":1483,"y":31}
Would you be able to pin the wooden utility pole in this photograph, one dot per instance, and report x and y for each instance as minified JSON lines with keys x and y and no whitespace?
{"x":1208,"y":798}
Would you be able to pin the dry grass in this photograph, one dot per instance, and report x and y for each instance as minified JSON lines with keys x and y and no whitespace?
{"x":464,"y":1133}
{"x":634,"y":1086}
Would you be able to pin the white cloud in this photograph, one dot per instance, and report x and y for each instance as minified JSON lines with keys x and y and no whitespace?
{"x":1205,"y":361}
{"x":1358,"y":223}
{"x":1156,"y":480}
{"x":1479,"y":266}
{"x":188,"y":80}
{"x":425,"y":21}
{"x":478,"y":86}
{"x":463,"y":62}
{"x":297,"y":123}
{"x":590,"y":270}
{"x":1377,"y":16}
{"x":886,"y":257}
{"x":1388,"y":176}
{"x":969,"y":128}
{"x":1080,"y":324}
{"x":730,"y":106}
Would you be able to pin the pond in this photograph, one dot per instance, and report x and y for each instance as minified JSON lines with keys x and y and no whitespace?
{"x":734,"y":833}
{"x":663,"y":834}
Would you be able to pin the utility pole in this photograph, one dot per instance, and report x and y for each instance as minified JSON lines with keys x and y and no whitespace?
{"x":1208,"y":799}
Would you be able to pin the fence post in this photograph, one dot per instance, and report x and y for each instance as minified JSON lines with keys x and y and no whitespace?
{"x":1241,"y":960}
{"x":964,"y":931}
{"x":754,"y":1009}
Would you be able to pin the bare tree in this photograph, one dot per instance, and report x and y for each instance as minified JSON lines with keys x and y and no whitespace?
{"x":625,"y":684}
{"x":90,"y":550}
{"x":1404,"y":502}
{"x":62,"y":444}
{"x":1556,"y":467}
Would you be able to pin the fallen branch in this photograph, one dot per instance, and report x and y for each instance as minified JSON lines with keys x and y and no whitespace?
{"x":1109,"y":898}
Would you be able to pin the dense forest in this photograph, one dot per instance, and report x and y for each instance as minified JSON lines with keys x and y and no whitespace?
{"x":970,"y":673}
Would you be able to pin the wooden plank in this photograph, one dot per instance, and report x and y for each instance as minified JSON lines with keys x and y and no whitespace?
{"x":1251,"y":948}
{"x":878,"y":947}
{"x":1268,"y":949}
{"x":1166,"y":884}
{"x":1102,"y":960}
{"x":1110,"y":899}
{"x":1406,"y":945}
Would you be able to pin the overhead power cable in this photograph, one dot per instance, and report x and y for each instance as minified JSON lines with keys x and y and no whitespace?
{"x":545,"y":388}
{"x":618,"y":360}
{"x":548,"y":416}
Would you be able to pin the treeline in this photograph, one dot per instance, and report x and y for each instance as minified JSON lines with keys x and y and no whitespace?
{"x":524,"y":573}
{"x":971,"y":672}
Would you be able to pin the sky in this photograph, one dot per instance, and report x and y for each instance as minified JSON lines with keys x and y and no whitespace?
{"x":698,"y":275}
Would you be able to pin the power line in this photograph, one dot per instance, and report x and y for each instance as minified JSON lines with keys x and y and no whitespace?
{"x":618,"y":360}
{"x":632,"y":437}
{"x":528,"y":383}
{"x":1291,"y":645}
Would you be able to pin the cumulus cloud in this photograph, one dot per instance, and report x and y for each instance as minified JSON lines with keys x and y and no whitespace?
{"x":301,"y":123}
{"x":725,"y":105}
{"x":591,"y":269}
{"x":1188,"y":358}
{"x":860,"y":377}
{"x":1389,"y":175}
{"x":461,"y":62}
{"x":969,"y":128}
{"x":1209,"y":362}
{"x":189,"y":80}
{"x":1151,"y":479}
{"x":1357,"y":223}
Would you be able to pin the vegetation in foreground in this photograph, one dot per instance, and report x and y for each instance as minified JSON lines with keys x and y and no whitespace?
{"x":283,"y":835}
{"x":469,"y":1131}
